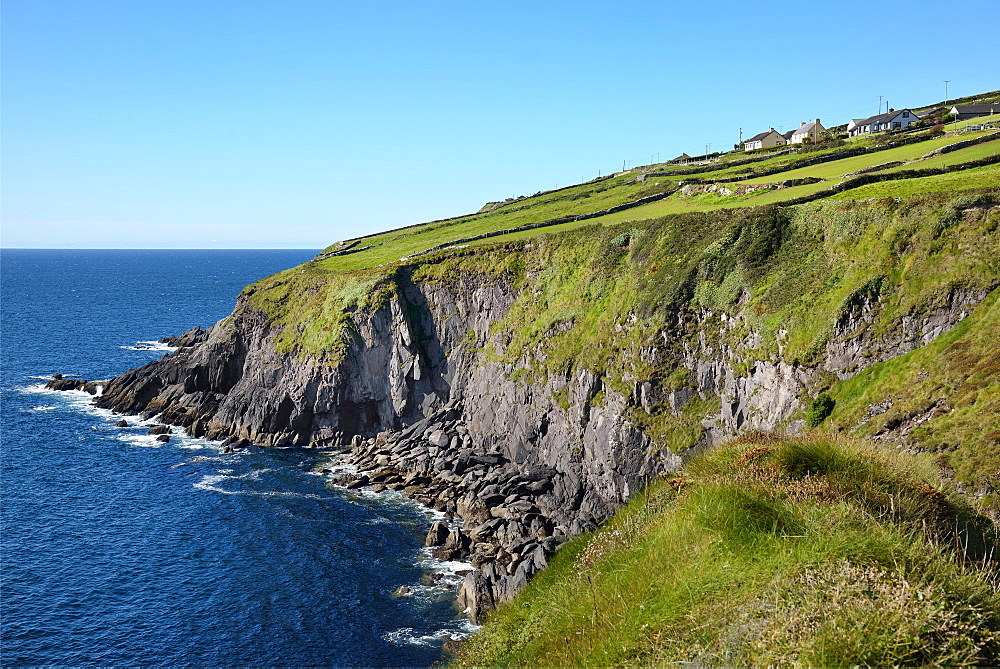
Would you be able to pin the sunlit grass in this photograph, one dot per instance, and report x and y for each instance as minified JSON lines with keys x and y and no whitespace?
{"x":768,"y":551}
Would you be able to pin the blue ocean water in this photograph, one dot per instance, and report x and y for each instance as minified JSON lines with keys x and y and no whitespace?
{"x":116,"y":550}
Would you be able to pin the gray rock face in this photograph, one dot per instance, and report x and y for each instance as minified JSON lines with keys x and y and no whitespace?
{"x":427,"y":412}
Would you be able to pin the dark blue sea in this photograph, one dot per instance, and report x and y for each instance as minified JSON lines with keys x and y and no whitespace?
{"x":117,"y":550}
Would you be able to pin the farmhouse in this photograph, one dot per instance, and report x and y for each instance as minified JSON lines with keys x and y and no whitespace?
{"x":890,"y":120}
{"x":806,"y":131}
{"x":962,"y":112}
{"x":764,"y":140}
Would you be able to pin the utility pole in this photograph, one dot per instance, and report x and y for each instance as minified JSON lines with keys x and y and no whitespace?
{"x":946,"y":92}
{"x":880,"y":104}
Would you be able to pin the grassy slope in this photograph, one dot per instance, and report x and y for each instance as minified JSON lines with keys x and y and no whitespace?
{"x":981,"y":177}
{"x":838,"y":168}
{"x":811,"y":551}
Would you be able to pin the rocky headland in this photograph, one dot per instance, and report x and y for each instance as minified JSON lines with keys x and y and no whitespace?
{"x":463,"y":382}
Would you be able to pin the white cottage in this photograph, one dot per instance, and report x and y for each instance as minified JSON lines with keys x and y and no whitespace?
{"x":890,"y":120}
{"x":810,"y":131}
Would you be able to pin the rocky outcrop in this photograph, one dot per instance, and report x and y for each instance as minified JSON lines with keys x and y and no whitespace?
{"x":91,"y":387}
{"x":510,"y":517}
{"x":187,"y":338}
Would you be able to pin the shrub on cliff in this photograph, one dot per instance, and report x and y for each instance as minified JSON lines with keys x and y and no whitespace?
{"x":819,"y":409}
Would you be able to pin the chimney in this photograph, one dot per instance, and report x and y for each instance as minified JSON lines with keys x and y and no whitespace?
{"x":772,"y":129}
{"x":817,"y":121}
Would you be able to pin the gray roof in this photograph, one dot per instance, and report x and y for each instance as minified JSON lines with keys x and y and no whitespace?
{"x":759,"y":136}
{"x":993,"y":108}
{"x":805,"y":127}
{"x":884,"y":116}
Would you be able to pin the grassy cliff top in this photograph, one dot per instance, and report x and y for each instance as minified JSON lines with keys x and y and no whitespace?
{"x":767,"y":551}
{"x":629,"y":187}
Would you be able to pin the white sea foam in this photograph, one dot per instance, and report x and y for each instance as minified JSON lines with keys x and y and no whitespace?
{"x":150,"y":346}
{"x":408,"y":635}
{"x":214,"y":483}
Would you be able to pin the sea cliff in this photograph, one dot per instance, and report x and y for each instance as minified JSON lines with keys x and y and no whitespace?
{"x":531,"y":388}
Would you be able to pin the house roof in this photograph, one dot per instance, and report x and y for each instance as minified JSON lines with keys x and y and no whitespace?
{"x":788,"y":135}
{"x":885,"y":116}
{"x":759,"y":136}
{"x":804,"y":128}
{"x":977,"y":109}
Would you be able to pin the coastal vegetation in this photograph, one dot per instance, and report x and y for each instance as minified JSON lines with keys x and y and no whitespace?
{"x":768,"y":551}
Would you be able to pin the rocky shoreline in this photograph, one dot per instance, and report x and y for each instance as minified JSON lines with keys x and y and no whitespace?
{"x":505,"y":519}
{"x":511,"y":519}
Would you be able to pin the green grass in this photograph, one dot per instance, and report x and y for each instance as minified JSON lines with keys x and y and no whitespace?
{"x":391,"y":246}
{"x":818,"y":552}
{"x":961,"y":125}
{"x":968,"y":154}
{"x":977,"y":178}
{"x":581,"y":199}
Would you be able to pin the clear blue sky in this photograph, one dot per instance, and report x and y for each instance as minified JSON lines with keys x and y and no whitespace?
{"x":296,"y":123}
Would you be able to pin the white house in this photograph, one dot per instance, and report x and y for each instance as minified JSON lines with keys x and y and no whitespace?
{"x":808,"y":131}
{"x":890,"y":120}
{"x":764,"y":140}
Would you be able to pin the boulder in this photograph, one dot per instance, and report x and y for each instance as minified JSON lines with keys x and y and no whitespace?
{"x":458,"y":540}
{"x":122,"y":423}
{"x":437,"y":535}
{"x":438,"y":438}
{"x":65,"y":384}
{"x":476,"y":596}
{"x":160,"y":429}
{"x":163,"y":438}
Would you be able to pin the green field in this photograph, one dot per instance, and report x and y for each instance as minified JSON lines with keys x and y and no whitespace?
{"x":965,"y":155}
{"x":838,"y":168}
{"x":980,"y":177}
{"x":586,"y":198}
